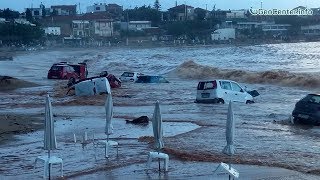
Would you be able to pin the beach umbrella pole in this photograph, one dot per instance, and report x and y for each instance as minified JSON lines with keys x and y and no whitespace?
{"x":230,"y":166}
{"x":159,"y":159}
{"x":49,"y":173}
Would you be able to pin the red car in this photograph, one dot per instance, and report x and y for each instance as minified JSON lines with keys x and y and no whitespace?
{"x":113,"y":80}
{"x":68,"y":71}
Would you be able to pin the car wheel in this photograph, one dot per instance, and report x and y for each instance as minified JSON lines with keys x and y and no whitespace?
{"x":220,"y":101}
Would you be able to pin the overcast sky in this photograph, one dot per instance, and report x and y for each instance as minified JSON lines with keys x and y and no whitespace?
{"x":20,"y":5}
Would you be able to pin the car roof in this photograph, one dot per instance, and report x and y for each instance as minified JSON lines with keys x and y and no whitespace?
{"x":129,"y":72}
{"x":219,"y":80}
{"x":63,"y":65}
{"x":313,"y":94}
{"x":150,"y":76}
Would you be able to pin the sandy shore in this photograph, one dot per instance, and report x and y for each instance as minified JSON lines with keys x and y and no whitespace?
{"x":11,"y":83}
{"x":13,"y":124}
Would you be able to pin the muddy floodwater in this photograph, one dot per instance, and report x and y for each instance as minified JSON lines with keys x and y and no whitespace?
{"x":281,"y":73}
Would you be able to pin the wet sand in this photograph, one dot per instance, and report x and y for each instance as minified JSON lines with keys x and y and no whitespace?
{"x":13,"y":124}
{"x":10,"y":83}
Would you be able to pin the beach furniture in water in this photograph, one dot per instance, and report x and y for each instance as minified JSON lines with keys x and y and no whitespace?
{"x":158,"y":134}
{"x":50,"y":142}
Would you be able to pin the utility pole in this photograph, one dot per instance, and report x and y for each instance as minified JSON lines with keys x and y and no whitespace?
{"x":261,"y":5}
{"x":185,"y":10}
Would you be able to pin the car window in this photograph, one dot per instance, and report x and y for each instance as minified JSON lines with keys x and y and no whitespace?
{"x":225,"y":85}
{"x":127,"y":74}
{"x":312,"y":99}
{"x":211,"y":85}
{"x":236,"y":87}
{"x":56,"y":68}
{"x":201,"y":85}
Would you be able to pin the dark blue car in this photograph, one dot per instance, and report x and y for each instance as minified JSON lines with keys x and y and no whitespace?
{"x":307,"y":110}
{"x":151,"y":79}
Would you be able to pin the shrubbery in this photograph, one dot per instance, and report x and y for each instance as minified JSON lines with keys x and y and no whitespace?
{"x":13,"y":33}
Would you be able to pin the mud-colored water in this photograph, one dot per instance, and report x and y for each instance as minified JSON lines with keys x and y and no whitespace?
{"x":281,"y":73}
{"x":192,"y":70}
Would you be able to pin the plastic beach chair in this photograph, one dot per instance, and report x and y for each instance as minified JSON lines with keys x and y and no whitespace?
{"x":107,"y":144}
{"x":48,"y":162}
{"x":158,"y":155}
{"x":223,"y":167}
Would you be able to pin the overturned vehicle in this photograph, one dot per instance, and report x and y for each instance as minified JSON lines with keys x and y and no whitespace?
{"x":91,"y":86}
{"x":95,"y":85}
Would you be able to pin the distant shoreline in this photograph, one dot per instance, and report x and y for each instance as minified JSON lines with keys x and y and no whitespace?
{"x":7,"y":53}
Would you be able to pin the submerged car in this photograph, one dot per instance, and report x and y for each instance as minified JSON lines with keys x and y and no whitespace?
{"x":151,"y":79}
{"x":130,"y":76}
{"x":307,"y":110}
{"x":221,"y":91}
{"x":64,"y":70}
{"x":113,"y":80}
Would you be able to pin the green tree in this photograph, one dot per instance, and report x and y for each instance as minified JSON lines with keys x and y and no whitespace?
{"x":189,"y":28}
{"x":200,"y":14}
{"x":143,"y":13}
{"x":9,"y":14}
{"x":43,"y":9}
{"x":20,"y":33}
{"x":157,"y":5}
{"x":28,"y":15}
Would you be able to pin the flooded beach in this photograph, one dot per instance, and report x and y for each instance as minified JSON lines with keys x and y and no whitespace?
{"x":193,"y":133}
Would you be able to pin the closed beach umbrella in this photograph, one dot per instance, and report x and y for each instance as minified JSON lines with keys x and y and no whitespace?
{"x":109,"y":115}
{"x":229,"y":149}
{"x":157,"y":127}
{"x":49,"y":135}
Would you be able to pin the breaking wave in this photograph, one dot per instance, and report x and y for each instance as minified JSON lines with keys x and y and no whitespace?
{"x":192,"y":70}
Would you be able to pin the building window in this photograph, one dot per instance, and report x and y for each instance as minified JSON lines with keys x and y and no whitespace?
{"x":36,"y":13}
{"x":97,"y":8}
{"x":75,"y":25}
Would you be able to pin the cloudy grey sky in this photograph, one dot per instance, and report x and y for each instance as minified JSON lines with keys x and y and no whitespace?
{"x":20,"y":5}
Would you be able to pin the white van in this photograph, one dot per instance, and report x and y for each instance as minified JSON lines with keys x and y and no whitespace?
{"x":130,"y":76}
{"x":221,"y":91}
